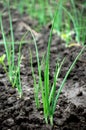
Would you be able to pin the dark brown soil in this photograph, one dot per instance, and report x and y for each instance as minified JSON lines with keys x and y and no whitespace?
{"x":21,"y":114}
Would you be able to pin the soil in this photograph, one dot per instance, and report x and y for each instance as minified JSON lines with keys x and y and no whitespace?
{"x":20,"y":113}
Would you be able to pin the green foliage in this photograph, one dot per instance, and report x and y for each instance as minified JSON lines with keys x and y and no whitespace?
{"x":13,"y":71}
{"x":70,"y":20}
{"x":2,"y":58}
{"x":42,"y":11}
{"x":48,"y":92}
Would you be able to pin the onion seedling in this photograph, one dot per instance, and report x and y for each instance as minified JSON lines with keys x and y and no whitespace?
{"x":77,"y":18}
{"x":12,"y":71}
{"x":79,"y":23}
{"x":70,"y":22}
{"x":48,"y":92}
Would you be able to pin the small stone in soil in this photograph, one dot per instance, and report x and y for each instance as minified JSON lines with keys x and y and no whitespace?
{"x":9,"y":122}
{"x":80,"y":93}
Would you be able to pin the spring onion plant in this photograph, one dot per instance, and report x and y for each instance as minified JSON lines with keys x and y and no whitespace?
{"x":79,"y":23}
{"x":79,"y":28}
{"x":77,"y":18}
{"x":48,"y":92}
{"x":69,"y":22}
{"x":13,"y":70}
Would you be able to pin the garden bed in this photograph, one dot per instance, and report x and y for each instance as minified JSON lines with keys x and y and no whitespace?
{"x":21,"y":113}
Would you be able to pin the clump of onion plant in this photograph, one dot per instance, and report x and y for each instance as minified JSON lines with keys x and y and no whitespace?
{"x":13,"y":70}
{"x":71,"y":22}
{"x":48,"y":92}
